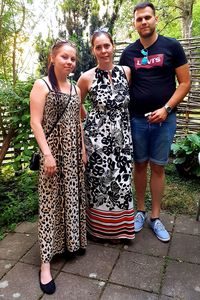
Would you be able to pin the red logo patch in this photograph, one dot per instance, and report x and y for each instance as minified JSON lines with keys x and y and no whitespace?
{"x":155,"y":60}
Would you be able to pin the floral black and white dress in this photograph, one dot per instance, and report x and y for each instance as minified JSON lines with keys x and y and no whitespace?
{"x":110,"y":213}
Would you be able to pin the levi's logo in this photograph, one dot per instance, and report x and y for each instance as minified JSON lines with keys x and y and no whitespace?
{"x":155,"y":60}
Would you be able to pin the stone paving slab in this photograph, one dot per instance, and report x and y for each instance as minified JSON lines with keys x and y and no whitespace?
{"x":98,"y":262}
{"x":27,"y":227}
{"x":33,"y":257}
{"x":138,"y":271}
{"x":144,"y":268}
{"x":188,"y":225}
{"x":73,"y":287}
{"x":185,"y":247}
{"x":182,"y":281}
{"x":117,"y":292}
{"x":169,"y":298}
{"x":14,"y":245}
{"x":20,"y":283}
{"x":5,"y":266}
{"x":146,"y":243}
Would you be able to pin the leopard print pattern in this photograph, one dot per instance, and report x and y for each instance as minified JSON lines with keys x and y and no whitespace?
{"x":62,"y":221}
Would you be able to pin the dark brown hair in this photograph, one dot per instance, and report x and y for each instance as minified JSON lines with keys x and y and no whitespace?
{"x":99,"y":32}
{"x":144,"y":5}
{"x":51,"y":73}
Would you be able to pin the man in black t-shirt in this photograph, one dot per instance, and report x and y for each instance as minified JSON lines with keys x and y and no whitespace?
{"x":156,"y":62}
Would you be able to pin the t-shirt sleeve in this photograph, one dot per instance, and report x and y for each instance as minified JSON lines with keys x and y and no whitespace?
{"x":179,"y":54}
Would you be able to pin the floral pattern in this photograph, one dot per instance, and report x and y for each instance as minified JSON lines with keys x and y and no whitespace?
{"x":108,"y":143}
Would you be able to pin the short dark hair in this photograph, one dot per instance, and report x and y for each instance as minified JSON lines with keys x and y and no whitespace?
{"x":144,"y":5}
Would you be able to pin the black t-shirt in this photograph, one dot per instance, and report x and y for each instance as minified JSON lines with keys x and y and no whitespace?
{"x":152,"y":84}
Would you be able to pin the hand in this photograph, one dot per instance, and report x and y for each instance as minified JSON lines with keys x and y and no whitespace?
{"x":158,"y":116}
{"x":49,"y":165}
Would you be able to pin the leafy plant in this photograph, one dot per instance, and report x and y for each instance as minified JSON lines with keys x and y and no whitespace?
{"x":19,"y":199}
{"x":186,"y":152}
{"x":15,"y":115}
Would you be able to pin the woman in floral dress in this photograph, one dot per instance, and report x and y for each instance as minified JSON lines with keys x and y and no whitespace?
{"x":110,"y":213}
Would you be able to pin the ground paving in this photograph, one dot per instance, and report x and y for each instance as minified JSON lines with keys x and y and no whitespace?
{"x":145,"y":269}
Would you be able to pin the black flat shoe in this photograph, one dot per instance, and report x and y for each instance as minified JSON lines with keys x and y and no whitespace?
{"x":48,"y":288}
{"x":69,"y":255}
{"x":81,"y":251}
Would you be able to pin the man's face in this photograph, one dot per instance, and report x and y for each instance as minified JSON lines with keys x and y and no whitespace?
{"x":145,"y":22}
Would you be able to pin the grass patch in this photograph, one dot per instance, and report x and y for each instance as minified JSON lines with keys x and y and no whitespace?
{"x":181,"y":194}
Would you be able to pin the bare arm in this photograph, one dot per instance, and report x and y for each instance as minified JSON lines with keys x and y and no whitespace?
{"x":127,"y":71}
{"x":84,"y":156}
{"x":183,"y":77}
{"x":84,"y":83}
{"x":37,"y":102}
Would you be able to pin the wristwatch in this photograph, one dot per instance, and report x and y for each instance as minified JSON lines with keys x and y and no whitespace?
{"x":168,"y":108}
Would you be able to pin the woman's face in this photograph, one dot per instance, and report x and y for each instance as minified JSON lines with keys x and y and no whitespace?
{"x":64,"y":59}
{"x":103,"y":49}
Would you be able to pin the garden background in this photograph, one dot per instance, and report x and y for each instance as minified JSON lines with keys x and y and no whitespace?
{"x":27,"y":30}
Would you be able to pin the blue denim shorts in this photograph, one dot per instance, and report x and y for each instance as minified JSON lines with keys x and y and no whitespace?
{"x":152,"y":142}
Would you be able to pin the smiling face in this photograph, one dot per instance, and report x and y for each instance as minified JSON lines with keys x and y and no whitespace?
{"x":145,"y":22}
{"x":64,"y":59}
{"x":103,"y":49}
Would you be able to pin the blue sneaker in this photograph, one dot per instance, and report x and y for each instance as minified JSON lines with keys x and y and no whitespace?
{"x":159,"y":230}
{"x":140,"y":218}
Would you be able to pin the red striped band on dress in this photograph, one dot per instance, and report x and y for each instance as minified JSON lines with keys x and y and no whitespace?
{"x":111,"y":224}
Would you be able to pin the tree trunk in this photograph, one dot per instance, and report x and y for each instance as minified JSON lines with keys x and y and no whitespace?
{"x":186,"y":7}
{"x":6,"y":144}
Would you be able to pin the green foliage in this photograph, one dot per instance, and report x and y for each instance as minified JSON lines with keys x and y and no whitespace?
{"x":15,"y":105}
{"x":43,"y":48}
{"x":170,"y":22}
{"x":186,"y":152}
{"x":196,"y":19}
{"x":181,"y":194}
{"x":13,"y":17}
{"x":19,"y":199}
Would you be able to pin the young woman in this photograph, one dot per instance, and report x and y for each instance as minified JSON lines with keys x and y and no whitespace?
{"x":62,"y":224}
{"x":110,"y":213}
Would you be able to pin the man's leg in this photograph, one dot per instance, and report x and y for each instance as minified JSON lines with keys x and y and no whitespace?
{"x":157,"y":188}
{"x":140,"y":180}
{"x":157,"y":181}
{"x":140,"y":137}
{"x":161,"y":138}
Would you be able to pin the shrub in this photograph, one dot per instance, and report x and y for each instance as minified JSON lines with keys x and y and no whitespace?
{"x":19,"y":199}
{"x":186,"y":151}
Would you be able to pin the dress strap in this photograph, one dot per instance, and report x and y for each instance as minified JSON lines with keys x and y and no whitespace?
{"x":124,"y":73}
{"x":75,"y":88}
{"x":47,"y":85}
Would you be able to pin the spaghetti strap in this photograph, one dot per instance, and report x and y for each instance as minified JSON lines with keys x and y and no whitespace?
{"x":124,"y":73}
{"x":75,"y":88}
{"x":47,"y":85}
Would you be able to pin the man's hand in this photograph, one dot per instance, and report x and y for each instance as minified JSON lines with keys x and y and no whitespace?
{"x":158,"y":116}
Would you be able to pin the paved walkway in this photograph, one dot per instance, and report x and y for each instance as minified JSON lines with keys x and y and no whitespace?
{"x":145,"y":269}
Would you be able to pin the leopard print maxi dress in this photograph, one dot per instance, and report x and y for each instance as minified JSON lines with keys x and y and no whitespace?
{"x":110,"y":213}
{"x":62,"y":220}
